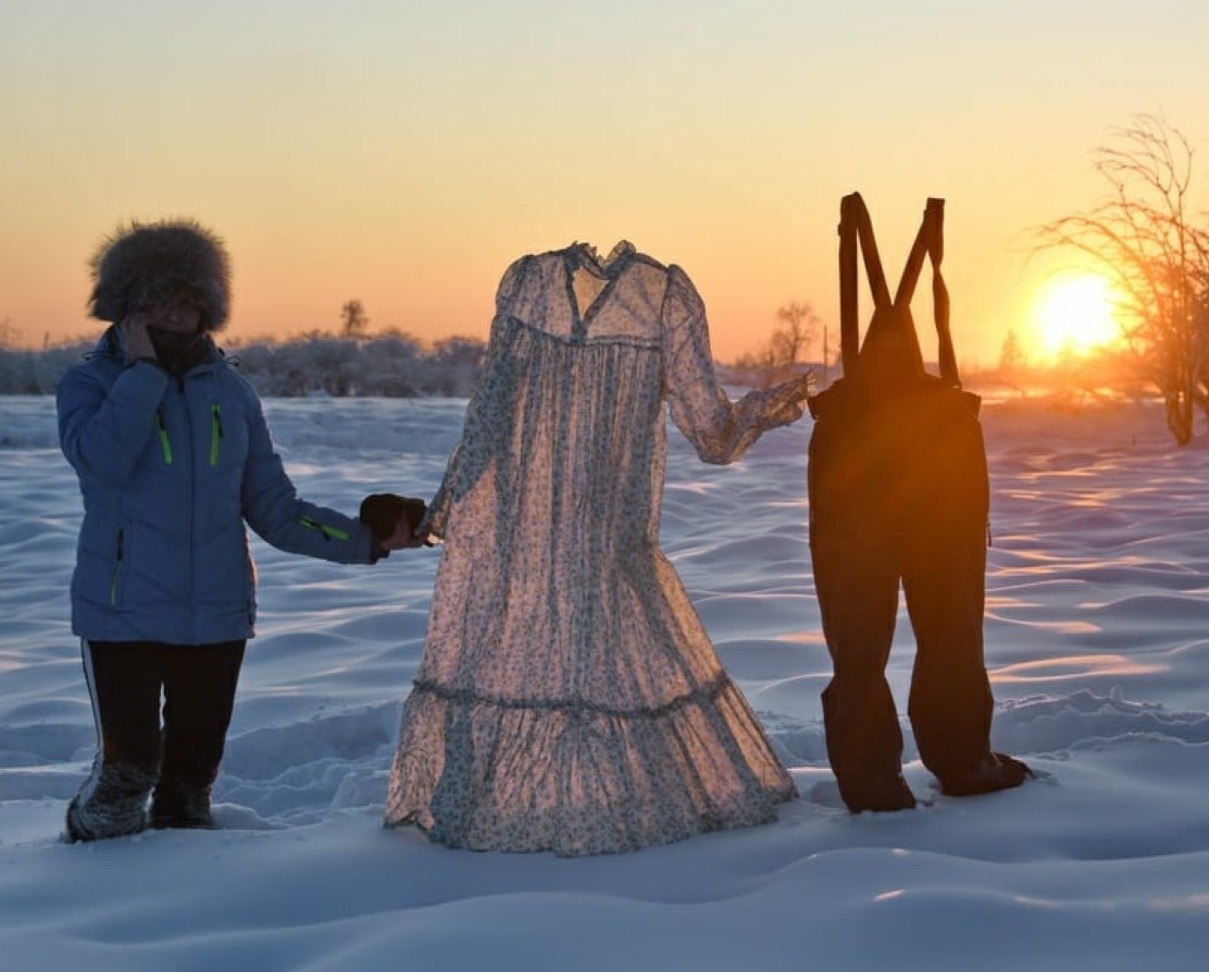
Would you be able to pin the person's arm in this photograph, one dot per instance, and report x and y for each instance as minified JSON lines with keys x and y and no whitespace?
{"x":103,"y":432}
{"x":273,"y":509}
{"x":719,"y":429}
{"x":480,"y":432}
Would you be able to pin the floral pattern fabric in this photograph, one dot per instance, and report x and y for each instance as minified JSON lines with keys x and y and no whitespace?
{"x":569,"y":698}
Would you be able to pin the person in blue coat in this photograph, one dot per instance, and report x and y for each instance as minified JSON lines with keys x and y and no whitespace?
{"x":173,"y":456}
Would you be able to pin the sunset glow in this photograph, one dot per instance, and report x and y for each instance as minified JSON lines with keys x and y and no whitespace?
{"x":1074,"y":315}
{"x":404,"y":154}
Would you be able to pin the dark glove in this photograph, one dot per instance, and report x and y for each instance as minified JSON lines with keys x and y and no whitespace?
{"x":381,"y":511}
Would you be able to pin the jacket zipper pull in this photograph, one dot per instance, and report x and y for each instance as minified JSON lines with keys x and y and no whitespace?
{"x":165,"y":443}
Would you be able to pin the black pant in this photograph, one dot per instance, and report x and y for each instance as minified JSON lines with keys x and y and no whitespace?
{"x":197,"y":683}
{"x":899,"y":493}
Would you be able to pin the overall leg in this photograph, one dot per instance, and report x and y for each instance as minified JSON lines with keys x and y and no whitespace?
{"x":124,"y":682}
{"x":864,"y":742}
{"x":944,"y":581}
{"x":856,"y":576}
{"x":950,"y":704}
{"x":199,"y":694}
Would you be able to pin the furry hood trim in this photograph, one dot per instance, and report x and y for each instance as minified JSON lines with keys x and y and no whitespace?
{"x":144,"y":264}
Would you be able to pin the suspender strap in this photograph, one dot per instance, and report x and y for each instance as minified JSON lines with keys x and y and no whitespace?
{"x":856,"y":230}
{"x":920,"y":249}
{"x":850,"y":334}
{"x":940,"y":295}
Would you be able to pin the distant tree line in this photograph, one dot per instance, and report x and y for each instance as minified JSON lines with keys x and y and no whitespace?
{"x":392,"y":365}
{"x":1107,"y":373}
{"x":27,"y":372}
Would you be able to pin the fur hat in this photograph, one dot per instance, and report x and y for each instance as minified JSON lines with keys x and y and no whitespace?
{"x":146,"y":264}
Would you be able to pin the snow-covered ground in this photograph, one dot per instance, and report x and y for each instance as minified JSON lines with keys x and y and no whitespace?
{"x":1097,"y":639}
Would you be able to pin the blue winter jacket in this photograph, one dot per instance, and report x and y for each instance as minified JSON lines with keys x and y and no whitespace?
{"x":170,"y":468}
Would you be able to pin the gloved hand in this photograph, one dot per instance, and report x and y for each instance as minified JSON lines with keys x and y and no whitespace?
{"x":394,"y":520}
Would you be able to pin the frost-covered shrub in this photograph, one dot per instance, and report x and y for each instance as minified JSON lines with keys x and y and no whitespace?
{"x":392,"y":365}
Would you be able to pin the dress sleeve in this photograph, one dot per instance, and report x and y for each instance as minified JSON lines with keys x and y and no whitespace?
{"x":479,"y":433}
{"x":719,"y":429}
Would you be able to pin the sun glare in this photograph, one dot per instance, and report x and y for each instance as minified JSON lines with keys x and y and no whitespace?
{"x":1075,"y":315}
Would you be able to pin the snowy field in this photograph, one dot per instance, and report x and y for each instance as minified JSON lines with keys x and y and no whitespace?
{"x":1097,"y":640}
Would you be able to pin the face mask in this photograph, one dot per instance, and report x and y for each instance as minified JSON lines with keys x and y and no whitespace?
{"x":173,"y":348}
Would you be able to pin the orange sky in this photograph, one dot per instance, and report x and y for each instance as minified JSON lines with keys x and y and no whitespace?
{"x":405,"y":152}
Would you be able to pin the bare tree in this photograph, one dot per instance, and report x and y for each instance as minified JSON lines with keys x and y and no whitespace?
{"x":792,"y":341}
{"x":1144,"y":238}
{"x":353,"y":321}
{"x":788,"y":345}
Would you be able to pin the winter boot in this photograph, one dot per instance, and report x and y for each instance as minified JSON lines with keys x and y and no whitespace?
{"x":995,"y":772}
{"x":181,"y":805}
{"x":112,"y":803}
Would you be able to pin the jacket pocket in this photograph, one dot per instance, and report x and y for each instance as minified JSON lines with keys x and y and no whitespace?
{"x":115,"y":577}
{"x":216,"y":433}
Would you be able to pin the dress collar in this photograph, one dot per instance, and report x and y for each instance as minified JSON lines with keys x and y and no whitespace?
{"x":584,"y":255}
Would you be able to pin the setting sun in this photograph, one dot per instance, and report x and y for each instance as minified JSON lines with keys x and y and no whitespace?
{"x":1075,"y":315}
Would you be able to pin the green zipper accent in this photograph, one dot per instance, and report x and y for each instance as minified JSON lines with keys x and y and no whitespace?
{"x":329,"y":532}
{"x":165,"y":444}
{"x":215,"y":432}
{"x":117,"y":572}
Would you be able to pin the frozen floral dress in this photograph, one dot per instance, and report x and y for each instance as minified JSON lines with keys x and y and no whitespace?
{"x":569,"y":698}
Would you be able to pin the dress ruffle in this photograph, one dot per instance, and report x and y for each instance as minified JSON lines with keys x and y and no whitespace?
{"x":512,"y":775}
